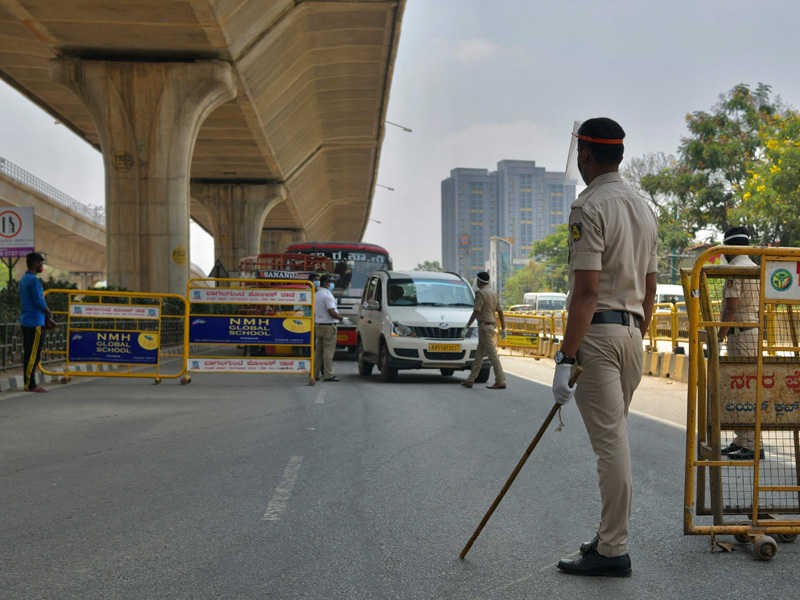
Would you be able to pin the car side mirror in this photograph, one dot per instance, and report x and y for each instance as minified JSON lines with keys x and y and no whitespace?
{"x":373,"y":305}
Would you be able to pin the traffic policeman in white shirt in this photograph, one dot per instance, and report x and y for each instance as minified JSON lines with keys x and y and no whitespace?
{"x":740,"y":302}
{"x":612,"y":281}
{"x":326,"y":316}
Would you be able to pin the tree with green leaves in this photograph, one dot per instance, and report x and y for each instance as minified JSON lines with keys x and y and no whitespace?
{"x":674,"y":232}
{"x":771,"y":191}
{"x":711,"y":171}
{"x":429,"y":265}
{"x":547,"y":271}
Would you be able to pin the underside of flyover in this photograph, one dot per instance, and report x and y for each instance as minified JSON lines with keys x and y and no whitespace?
{"x":233,"y":111}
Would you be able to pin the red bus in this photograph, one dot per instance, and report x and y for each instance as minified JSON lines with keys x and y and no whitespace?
{"x":353,"y":262}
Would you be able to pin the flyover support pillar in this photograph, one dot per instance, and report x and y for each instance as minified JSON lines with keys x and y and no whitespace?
{"x":147,"y":115}
{"x":237,"y":212}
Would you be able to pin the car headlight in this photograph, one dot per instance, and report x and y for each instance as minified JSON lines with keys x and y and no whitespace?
{"x":401,"y":330}
{"x":471,"y":332}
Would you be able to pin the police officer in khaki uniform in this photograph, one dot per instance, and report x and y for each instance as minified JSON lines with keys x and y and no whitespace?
{"x":487,"y":311}
{"x":740,"y":300}
{"x":612,"y":280}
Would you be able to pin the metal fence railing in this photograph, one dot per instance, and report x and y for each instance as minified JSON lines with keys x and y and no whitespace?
{"x":11,"y":344}
{"x":17,"y":173}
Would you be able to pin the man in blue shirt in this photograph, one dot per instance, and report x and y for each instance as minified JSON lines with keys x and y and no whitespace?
{"x":33,"y":317}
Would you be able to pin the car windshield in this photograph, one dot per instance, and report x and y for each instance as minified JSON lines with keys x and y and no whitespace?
{"x":552,"y":303}
{"x":429,"y":292}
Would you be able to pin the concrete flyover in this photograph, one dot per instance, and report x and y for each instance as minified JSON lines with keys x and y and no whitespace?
{"x":263,"y":119}
{"x":71,"y":234}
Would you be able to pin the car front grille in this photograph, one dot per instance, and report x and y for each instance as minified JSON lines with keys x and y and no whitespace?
{"x":437,"y":333}
{"x":444,"y":355}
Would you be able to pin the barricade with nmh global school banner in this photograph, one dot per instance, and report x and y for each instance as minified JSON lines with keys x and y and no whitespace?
{"x":116,"y":334}
{"x":250,"y":326}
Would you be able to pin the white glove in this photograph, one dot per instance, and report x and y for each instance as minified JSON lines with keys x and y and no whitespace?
{"x":562,"y":391}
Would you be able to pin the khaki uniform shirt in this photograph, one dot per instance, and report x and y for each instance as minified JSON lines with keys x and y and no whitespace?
{"x":486,"y":306}
{"x":746,"y":290}
{"x":614,"y":231}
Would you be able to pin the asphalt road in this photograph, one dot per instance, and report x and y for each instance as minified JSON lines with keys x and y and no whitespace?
{"x":245,"y":486}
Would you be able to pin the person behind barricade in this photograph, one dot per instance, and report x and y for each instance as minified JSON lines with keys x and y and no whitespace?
{"x":740,"y":300}
{"x":314,"y":279}
{"x":486,"y":311}
{"x":612,"y":286}
{"x":326,"y":316}
{"x":34,"y":315}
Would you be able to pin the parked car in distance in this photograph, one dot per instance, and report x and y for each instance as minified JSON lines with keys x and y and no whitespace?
{"x":539,"y":301}
{"x":666,"y":292}
{"x":415,"y":320}
{"x":519,"y":308}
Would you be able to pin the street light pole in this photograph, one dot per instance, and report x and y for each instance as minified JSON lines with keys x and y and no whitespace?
{"x":403,"y":127}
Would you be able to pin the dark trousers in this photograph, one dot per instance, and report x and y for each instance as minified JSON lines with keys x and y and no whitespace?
{"x":32,"y":341}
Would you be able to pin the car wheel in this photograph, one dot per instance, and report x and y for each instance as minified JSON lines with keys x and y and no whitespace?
{"x":387,"y":373}
{"x":483,"y":375}
{"x":447,"y":372}
{"x":364,"y":366}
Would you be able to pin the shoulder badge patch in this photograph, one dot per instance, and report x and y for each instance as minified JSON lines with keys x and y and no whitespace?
{"x":576,"y":230}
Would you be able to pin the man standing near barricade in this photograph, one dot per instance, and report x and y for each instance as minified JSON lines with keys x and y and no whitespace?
{"x":612,"y":281}
{"x":740,"y":300}
{"x":33,"y":317}
{"x":487,"y":312}
{"x":325,"y":319}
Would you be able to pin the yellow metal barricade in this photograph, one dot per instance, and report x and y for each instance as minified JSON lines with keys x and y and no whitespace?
{"x":250,"y":325}
{"x":736,"y":388}
{"x":533,"y":333}
{"x":117,"y":334}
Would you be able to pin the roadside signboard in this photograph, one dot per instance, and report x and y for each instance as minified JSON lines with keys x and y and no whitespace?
{"x":16,"y":231}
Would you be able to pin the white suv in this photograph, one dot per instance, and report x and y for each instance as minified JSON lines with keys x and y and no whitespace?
{"x":415,"y":320}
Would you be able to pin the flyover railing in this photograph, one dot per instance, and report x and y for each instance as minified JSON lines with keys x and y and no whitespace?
{"x":17,"y":173}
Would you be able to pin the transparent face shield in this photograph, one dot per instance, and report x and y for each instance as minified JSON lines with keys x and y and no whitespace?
{"x":571,"y":171}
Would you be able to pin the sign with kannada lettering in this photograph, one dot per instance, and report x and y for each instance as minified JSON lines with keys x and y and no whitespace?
{"x":250,"y":296}
{"x":115,"y":311}
{"x":250,"y":330}
{"x":249,"y":365}
{"x":130,"y":347}
{"x":780,"y":397}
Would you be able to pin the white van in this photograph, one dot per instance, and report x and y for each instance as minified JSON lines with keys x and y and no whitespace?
{"x":545,"y":300}
{"x":666,"y":292}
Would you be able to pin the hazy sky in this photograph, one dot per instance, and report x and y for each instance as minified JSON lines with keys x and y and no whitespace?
{"x":482,"y":81}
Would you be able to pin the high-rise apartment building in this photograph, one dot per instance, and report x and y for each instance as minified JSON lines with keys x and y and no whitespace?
{"x":469,"y":219}
{"x":520,"y":202}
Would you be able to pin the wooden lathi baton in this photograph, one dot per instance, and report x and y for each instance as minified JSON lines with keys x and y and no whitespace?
{"x":576,"y":371}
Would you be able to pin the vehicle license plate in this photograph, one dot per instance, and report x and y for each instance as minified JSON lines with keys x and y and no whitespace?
{"x":444,"y":347}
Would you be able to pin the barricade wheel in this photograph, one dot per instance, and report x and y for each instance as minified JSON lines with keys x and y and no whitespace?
{"x":65,"y":379}
{"x":786,"y":538}
{"x":156,"y":381}
{"x":764,"y":547}
{"x":186,"y":379}
{"x":742,"y":538}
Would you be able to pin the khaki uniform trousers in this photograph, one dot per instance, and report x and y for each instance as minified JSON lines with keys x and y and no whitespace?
{"x":487,"y":348}
{"x":611,"y":357}
{"x":325,"y":348}
{"x":744,"y":344}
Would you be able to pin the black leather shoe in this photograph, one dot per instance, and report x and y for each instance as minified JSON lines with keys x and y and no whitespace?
{"x":332,"y":378}
{"x":732,"y":447}
{"x":745,"y":454}
{"x":592,"y":545}
{"x":596,"y":564}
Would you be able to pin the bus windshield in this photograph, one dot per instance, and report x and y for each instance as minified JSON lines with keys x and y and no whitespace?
{"x":351,"y":263}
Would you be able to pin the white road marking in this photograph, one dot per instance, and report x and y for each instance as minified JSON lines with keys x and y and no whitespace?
{"x":630,"y":410}
{"x":320,"y":399}
{"x":280,"y":497}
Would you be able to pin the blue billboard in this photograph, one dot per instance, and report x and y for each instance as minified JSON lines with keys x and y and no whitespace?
{"x":114,"y":347}
{"x":250,"y":330}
